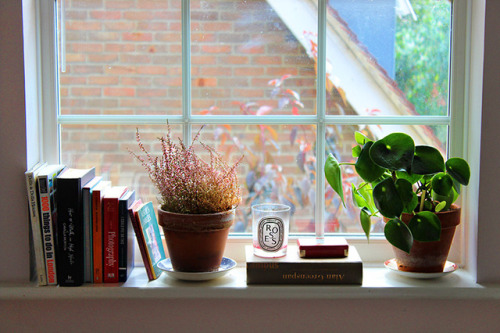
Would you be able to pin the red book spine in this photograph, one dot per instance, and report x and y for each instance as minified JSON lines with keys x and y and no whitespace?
{"x":110,"y":235}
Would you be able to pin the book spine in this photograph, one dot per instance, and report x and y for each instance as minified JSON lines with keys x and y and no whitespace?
{"x":87,"y":235}
{"x":110,"y":234}
{"x":36,"y":231}
{"x":318,"y":252}
{"x":47,"y":214}
{"x":97,"y":236}
{"x":141,"y":243}
{"x":125,"y":257}
{"x":70,"y":233}
{"x":303,"y":273}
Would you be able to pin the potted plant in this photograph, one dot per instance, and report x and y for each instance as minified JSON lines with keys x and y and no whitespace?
{"x":197,"y":201}
{"x":414,"y":189}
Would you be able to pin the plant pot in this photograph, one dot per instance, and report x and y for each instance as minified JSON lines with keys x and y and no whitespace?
{"x":430,"y":257}
{"x":196,"y":242}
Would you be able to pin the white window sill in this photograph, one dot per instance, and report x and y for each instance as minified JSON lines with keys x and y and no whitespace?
{"x":378,"y":283}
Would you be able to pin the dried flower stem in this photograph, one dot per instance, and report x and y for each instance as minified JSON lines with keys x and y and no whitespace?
{"x":185,"y":182}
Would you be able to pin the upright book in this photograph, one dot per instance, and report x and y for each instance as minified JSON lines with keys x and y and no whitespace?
{"x":70,"y":228}
{"x":46,"y":183}
{"x":110,"y":232}
{"x":97,"y":195}
{"x":35,"y":228}
{"x":292,"y":269}
{"x":87,"y":228}
{"x":149,"y":238}
{"x":125,"y":237}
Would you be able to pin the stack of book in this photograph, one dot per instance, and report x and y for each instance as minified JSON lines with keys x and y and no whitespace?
{"x":80,"y":225}
{"x":310,"y":262}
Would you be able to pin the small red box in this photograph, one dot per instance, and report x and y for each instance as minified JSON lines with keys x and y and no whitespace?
{"x":328,"y":247}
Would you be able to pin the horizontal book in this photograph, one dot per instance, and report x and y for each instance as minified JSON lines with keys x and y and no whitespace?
{"x":327,"y":247}
{"x":292,"y":269}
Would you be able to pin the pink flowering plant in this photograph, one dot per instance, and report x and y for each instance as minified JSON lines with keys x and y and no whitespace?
{"x":186,"y":183}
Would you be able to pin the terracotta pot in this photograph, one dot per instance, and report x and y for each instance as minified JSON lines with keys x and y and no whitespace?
{"x":430,"y":257}
{"x":196,"y":242}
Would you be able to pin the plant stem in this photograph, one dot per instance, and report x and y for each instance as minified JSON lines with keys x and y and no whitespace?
{"x":422,"y":200}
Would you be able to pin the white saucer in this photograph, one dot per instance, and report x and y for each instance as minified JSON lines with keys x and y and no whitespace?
{"x":226,"y":265}
{"x":449,"y":267}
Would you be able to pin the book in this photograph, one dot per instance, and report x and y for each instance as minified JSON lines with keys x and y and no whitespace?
{"x":149,"y":238}
{"x":110,"y":220}
{"x":87,"y":228}
{"x":140,"y":238}
{"x":125,"y":237}
{"x":70,"y":231}
{"x":46,"y":184}
{"x":35,"y":227}
{"x":292,"y":269}
{"x":97,"y":195}
{"x":327,"y":247}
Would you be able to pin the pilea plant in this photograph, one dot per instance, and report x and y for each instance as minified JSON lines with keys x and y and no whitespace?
{"x":399,"y":177}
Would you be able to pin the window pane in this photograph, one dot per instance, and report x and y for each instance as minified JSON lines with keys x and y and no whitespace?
{"x":248,"y":58}
{"x":278,"y":166}
{"x":120,"y":57}
{"x":339,"y":142}
{"x":388,"y":57}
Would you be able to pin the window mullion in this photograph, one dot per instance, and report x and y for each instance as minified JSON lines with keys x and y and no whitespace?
{"x":186,"y":70}
{"x":320,"y":114}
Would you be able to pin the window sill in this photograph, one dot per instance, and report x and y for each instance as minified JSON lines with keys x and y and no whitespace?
{"x":378,"y":283}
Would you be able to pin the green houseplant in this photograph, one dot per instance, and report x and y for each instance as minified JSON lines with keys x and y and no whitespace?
{"x":197,"y":201}
{"x":412,"y":187}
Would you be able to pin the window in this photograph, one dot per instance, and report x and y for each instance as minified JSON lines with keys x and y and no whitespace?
{"x":283,"y":82}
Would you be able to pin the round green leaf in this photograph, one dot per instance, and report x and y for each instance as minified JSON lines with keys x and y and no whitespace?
{"x":393,"y":152}
{"x":365,"y":167}
{"x":360,"y":138}
{"x":459,"y":169}
{"x":425,"y":227}
{"x":449,"y":199}
{"x":408,"y":197}
{"x":387,"y":199}
{"x":333,"y":175}
{"x":356,"y":151}
{"x":366,"y":223}
{"x":442,"y":183}
{"x":427,"y":160}
{"x":411,"y":177}
{"x":398,"y":234}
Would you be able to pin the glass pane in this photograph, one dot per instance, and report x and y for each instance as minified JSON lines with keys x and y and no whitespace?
{"x":388,"y":57}
{"x":278,"y":166}
{"x":251,"y":57}
{"x":339,"y":142}
{"x":105,"y":147}
{"x":120,"y":57}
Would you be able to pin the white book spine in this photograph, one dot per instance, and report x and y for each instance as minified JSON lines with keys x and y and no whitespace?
{"x":36,"y":227}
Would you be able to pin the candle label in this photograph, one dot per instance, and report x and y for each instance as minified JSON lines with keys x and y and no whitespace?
{"x":271,"y":233}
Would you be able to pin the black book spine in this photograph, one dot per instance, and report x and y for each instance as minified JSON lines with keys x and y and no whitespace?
{"x":125,"y":233}
{"x":70,"y":230}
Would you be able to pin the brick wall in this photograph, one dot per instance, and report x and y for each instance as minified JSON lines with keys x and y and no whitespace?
{"x":124,"y":58}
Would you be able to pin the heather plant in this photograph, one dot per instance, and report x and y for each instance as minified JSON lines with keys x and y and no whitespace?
{"x":186,"y":183}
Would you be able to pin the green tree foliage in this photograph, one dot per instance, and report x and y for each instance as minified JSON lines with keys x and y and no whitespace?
{"x":422,"y":56}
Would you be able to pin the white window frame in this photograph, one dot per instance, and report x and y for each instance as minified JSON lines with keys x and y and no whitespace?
{"x":465,"y":97}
